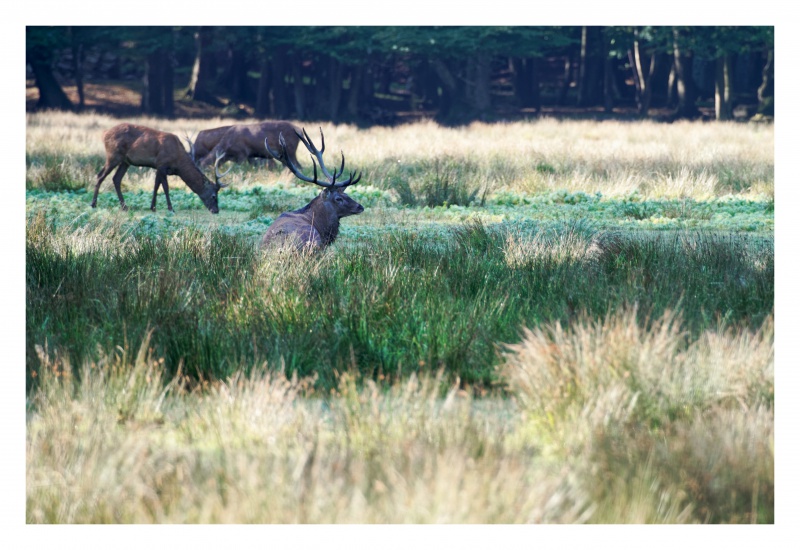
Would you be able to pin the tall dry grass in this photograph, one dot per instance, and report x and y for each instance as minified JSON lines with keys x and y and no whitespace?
{"x":607,"y":422}
{"x":672,"y":429}
{"x":615,"y":419}
{"x":684,"y":159}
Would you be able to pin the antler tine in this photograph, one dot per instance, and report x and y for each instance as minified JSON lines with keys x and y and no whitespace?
{"x":322,"y":139}
{"x":350,"y":180}
{"x":217,"y":175}
{"x":282,"y":156}
{"x":306,"y":139}
{"x":191,"y":145}
{"x":314,"y":164}
{"x":316,"y":155}
{"x":275,"y":154}
{"x":341,"y":168}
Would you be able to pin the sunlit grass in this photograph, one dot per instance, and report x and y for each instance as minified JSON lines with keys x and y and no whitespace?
{"x":613,"y":158}
{"x":394,"y":300}
{"x":532,"y":322}
{"x":642,"y":427}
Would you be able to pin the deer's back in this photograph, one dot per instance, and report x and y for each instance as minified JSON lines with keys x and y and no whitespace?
{"x":293,"y":229}
{"x":272,"y":129}
{"x":142,"y":146}
{"x":207,"y":139}
{"x":249,"y":138}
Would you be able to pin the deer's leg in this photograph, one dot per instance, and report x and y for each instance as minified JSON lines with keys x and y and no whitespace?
{"x":117,"y":179}
{"x":166,"y":193}
{"x":101,"y":175}
{"x":161,"y":180}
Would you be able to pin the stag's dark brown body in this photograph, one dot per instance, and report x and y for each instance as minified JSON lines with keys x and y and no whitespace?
{"x":241,"y":142}
{"x":133,"y":145}
{"x":316,"y":225}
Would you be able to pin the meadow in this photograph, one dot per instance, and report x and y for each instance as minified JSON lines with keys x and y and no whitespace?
{"x":532,"y":322}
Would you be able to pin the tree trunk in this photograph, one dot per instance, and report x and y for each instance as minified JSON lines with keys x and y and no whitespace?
{"x":660,"y":80}
{"x":686,"y":92}
{"x":280,"y":92}
{"x":536,"y":94}
{"x":481,"y":84}
{"x":298,"y":87}
{"x":263,"y":106}
{"x":383,"y":78}
{"x":610,"y":90}
{"x":157,"y":84}
{"x":647,"y":99}
{"x":152,"y":85}
{"x":526,"y":82}
{"x":752,"y":74}
{"x":51,"y":95}
{"x":203,"y":70}
{"x":369,"y":84}
{"x":426,"y":85}
{"x":642,"y":79}
{"x":590,"y":64}
{"x":168,"y":88}
{"x":671,"y":84}
{"x":335,"y":77}
{"x":569,"y":65}
{"x":723,"y":96}
{"x":235,"y":74}
{"x":766,"y":92}
{"x":356,"y":78}
{"x":327,"y":89}
{"x":520,"y":74}
{"x":454,"y":106}
{"x":608,"y":84}
{"x":77,"y":66}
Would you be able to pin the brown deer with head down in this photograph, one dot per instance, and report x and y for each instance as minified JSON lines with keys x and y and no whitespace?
{"x":133,"y":145}
{"x":316,"y":225}
{"x":241,"y":142}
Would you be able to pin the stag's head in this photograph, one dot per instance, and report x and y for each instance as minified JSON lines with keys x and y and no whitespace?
{"x":210,"y":189}
{"x":340,"y":203}
{"x":332,"y":196}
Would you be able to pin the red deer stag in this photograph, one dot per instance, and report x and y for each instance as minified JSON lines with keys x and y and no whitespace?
{"x":316,"y":225}
{"x":132,"y":145}
{"x":242,"y":142}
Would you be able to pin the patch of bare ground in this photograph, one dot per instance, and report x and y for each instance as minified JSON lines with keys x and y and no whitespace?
{"x":119,"y":99}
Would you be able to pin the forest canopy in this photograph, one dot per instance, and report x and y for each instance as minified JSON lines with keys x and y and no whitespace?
{"x":383,"y":75}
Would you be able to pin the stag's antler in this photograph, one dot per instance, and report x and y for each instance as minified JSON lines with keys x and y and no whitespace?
{"x":217,"y":175}
{"x":191,"y":145}
{"x":282,"y":156}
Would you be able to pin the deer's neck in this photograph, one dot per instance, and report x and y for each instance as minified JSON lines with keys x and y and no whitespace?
{"x":190,"y":174}
{"x":322,"y":216}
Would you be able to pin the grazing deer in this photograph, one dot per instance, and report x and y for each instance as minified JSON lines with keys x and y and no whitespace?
{"x":133,"y":145}
{"x":316,"y":225}
{"x":242,"y":142}
{"x":206,"y":140}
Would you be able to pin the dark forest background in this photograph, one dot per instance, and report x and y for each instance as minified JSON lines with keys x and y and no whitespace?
{"x":386,"y":75}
